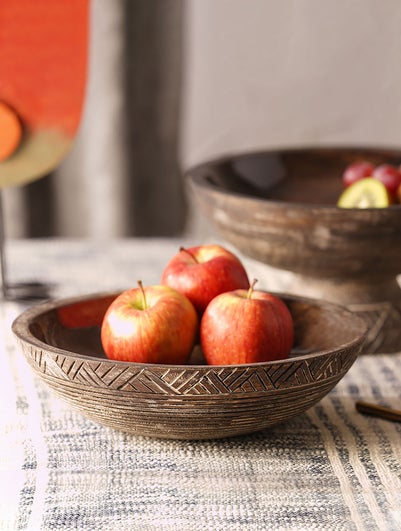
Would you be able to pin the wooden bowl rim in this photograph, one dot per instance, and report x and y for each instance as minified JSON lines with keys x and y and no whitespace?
{"x":197,"y":175}
{"x":21,"y":328}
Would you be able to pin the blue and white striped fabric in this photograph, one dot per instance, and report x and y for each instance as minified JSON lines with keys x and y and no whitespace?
{"x":329,"y":469}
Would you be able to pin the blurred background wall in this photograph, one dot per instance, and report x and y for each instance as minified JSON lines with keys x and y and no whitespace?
{"x":173,"y":82}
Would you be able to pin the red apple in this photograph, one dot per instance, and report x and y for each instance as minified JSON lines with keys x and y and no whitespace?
{"x":154,"y":324}
{"x":246,"y":326}
{"x":203,"y":272}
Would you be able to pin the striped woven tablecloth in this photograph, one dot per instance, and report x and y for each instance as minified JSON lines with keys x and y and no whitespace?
{"x":329,"y":469}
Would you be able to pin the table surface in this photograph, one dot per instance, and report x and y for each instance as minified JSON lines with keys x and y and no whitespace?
{"x":331,"y":468}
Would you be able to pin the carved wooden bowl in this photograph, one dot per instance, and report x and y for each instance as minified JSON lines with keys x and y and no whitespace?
{"x":61,"y":342}
{"x":279,"y":208}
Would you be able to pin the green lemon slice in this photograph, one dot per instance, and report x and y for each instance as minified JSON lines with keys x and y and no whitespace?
{"x":366,"y":193}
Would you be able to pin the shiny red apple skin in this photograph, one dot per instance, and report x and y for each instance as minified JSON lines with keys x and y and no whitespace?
{"x":203,"y":272}
{"x":236,"y":329}
{"x":164,"y":331}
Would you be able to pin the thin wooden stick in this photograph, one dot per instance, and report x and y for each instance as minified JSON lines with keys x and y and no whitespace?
{"x":382,"y":412}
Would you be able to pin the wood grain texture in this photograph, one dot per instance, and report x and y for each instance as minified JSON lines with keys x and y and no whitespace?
{"x":279,"y":208}
{"x":191,"y":401}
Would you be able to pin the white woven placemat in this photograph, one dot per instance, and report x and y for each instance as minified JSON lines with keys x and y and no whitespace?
{"x":329,"y":469}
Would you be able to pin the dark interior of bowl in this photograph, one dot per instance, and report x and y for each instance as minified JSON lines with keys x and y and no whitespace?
{"x":76,"y":327}
{"x":311,"y":176}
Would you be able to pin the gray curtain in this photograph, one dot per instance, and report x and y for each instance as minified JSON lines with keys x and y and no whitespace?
{"x":173,"y":82}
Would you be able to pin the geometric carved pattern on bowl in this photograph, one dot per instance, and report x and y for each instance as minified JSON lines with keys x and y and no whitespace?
{"x":177,"y":381}
{"x":322,"y":368}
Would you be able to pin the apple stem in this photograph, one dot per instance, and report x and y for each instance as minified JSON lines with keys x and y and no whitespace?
{"x":250,"y":290}
{"x":144,"y":302}
{"x":189,"y":253}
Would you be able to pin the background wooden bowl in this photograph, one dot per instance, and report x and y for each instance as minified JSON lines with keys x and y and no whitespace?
{"x":279,"y":208}
{"x":61,"y":342}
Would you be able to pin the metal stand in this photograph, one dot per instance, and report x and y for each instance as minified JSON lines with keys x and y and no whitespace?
{"x":21,"y":291}
{"x":2,"y":251}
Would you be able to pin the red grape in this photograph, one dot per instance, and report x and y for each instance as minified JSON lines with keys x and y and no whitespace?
{"x":390,"y":176}
{"x":357,"y":171}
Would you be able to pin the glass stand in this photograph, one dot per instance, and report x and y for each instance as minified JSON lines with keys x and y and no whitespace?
{"x":21,"y":291}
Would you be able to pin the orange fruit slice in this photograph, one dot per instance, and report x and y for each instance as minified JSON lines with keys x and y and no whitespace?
{"x":366,"y":193}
